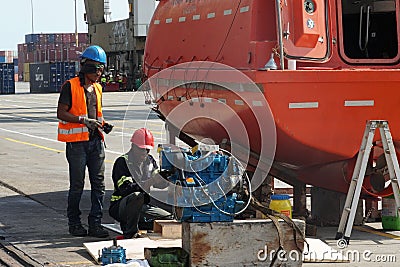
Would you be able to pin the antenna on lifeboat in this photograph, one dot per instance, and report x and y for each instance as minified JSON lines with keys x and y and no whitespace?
{"x":271,"y":65}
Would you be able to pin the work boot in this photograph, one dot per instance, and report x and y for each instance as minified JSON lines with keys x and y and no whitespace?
{"x":77,"y":230}
{"x":97,"y":231}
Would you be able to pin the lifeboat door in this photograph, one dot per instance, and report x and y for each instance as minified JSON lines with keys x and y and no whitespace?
{"x":304,"y":29}
{"x":369,"y":31}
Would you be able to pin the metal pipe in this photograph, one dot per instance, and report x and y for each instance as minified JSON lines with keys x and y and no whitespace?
{"x":360,"y":29}
{"x":32,"y":15}
{"x":280,"y":33}
{"x":76,"y":26}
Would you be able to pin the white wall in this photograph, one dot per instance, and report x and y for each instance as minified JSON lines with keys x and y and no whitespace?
{"x":143,"y":12}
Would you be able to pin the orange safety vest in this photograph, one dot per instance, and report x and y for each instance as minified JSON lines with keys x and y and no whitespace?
{"x":75,"y":132}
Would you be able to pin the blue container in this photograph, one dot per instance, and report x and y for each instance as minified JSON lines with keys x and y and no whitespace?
{"x":7,"y":82}
{"x":51,"y":38}
{"x":49,"y":77}
{"x":32,"y":38}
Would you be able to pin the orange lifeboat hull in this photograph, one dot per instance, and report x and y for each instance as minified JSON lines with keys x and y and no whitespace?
{"x":319,"y":110}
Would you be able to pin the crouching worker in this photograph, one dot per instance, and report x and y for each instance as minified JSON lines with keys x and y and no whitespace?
{"x":130,"y":202}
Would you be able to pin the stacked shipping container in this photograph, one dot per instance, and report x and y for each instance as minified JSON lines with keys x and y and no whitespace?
{"x":49,"y":77}
{"x":43,"y":49}
{"x":7,"y":56}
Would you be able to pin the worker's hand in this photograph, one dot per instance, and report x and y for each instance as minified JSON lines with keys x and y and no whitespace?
{"x":90,"y":123}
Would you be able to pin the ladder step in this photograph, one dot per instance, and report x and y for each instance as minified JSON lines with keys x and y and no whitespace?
{"x":347,"y":209}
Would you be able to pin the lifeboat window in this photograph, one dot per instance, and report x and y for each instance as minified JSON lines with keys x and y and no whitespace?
{"x":370,"y":29}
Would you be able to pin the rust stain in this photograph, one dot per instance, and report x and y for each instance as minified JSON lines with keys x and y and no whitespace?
{"x":200,"y":248}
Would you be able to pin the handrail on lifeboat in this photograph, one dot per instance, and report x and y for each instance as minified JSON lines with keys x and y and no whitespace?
{"x":280,"y":33}
{"x":363,"y":47}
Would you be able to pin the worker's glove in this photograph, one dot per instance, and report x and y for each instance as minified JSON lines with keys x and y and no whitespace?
{"x":92,"y":124}
{"x":107,"y":127}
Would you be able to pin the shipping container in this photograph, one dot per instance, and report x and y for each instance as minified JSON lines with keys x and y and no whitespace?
{"x":43,"y":38}
{"x":25,"y":72}
{"x":58,"y":38}
{"x":26,"y":77}
{"x":22,"y":48}
{"x":39,"y":77}
{"x":6,"y":56}
{"x":66,"y":38}
{"x":32,"y":38}
{"x":51,"y":38}
{"x":49,"y":77}
{"x":20,"y":71}
{"x":82,"y":38}
{"x":7,"y":83}
{"x":32,"y":47}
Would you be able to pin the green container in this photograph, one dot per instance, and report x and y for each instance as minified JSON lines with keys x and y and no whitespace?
{"x":167,"y":257}
{"x":391,"y":223}
{"x":390,"y":216}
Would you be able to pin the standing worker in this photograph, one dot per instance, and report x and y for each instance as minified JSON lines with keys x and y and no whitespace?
{"x":81,"y":124}
{"x":130,"y":202}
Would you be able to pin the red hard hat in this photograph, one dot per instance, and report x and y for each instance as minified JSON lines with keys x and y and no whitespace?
{"x":143,"y":138}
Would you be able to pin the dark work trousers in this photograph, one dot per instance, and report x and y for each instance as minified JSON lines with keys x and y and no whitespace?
{"x":79,"y":155}
{"x":134,"y":213}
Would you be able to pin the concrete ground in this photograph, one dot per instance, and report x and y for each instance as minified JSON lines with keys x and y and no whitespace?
{"x":34,"y":183}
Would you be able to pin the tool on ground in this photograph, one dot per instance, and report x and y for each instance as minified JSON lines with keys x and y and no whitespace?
{"x":353,"y":195}
{"x":113,"y":254}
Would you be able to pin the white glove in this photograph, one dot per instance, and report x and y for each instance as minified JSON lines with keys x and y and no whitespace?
{"x":90,"y":123}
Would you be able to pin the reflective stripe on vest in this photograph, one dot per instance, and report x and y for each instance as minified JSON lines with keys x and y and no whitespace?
{"x":115,"y":198}
{"x":75,"y":132}
{"x":123,"y":179}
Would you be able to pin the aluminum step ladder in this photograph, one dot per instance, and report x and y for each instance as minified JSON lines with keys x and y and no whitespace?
{"x":353,"y":195}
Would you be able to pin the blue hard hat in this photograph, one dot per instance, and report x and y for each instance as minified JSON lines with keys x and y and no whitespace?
{"x":95,"y":53}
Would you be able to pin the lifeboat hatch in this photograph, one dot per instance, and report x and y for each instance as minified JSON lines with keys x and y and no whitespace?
{"x":369,"y":31}
{"x":304,"y":29}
